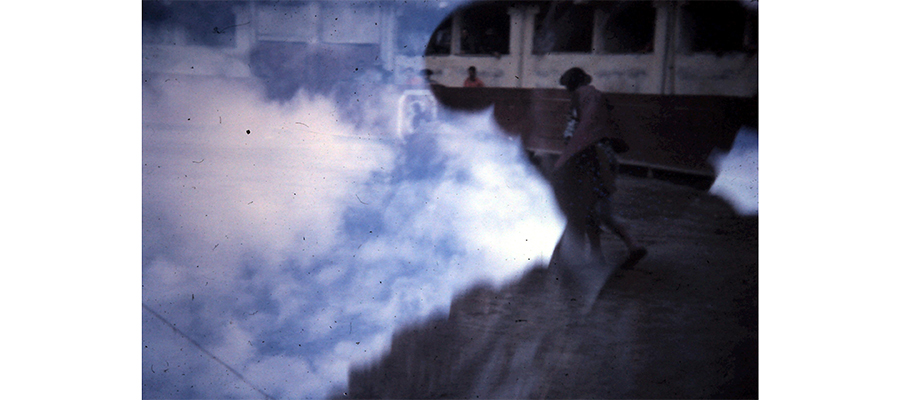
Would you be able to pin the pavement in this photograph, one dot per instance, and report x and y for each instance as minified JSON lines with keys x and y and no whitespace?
{"x":683,"y":323}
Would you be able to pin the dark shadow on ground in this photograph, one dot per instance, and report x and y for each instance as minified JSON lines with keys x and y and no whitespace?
{"x":682,"y":324}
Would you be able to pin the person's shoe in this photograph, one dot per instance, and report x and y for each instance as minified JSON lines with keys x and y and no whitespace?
{"x":633,"y":258}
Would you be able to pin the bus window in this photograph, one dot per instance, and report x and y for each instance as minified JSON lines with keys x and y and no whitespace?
{"x":718,"y":27}
{"x":485,"y":29}
{"x":629,"y":28}
{"x":189,"y":23}
{"x":439,"y":44}
{"x":563,"y":28}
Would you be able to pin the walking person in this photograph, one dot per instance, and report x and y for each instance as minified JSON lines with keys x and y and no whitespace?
{"x":587,"y":168}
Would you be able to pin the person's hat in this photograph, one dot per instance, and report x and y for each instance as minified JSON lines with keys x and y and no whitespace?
{"x":574,"y":77}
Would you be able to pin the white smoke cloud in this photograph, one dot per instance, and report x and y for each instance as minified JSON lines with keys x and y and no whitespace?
{"x":737,"y":173}
{"x":294,"y":251}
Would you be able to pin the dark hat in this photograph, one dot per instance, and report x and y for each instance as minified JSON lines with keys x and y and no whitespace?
{"x":573,"y":78}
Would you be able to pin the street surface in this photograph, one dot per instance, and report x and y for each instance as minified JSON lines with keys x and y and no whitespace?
{"x":682,"y":324}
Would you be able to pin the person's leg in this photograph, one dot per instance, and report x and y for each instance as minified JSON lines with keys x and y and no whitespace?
{"x":603,"y":211}
{"x":593,"y":230}
{"x":635,"y":251}
{"x":621,"y":231}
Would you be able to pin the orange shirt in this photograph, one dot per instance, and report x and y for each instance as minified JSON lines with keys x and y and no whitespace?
{"x":470,"y":83}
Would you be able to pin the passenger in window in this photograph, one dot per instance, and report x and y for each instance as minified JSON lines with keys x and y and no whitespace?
{"x":473,"y":80}
{"x":429,"y":77}
{"x":585,"y":174}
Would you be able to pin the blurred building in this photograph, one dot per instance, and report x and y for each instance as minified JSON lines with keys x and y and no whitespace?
{"x":682,"y":76}
{"x":644,"y":47}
